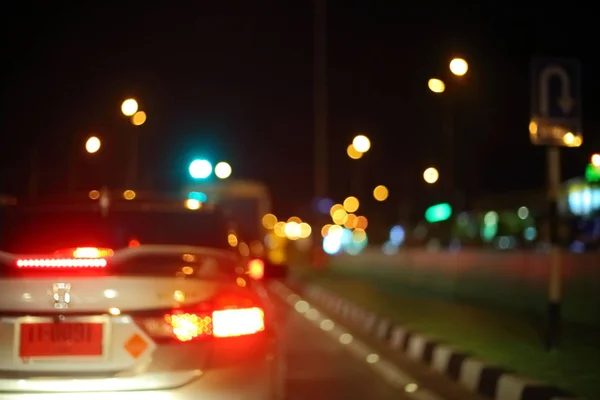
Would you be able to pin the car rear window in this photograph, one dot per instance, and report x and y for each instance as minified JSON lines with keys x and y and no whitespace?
{"x":40,"y":230}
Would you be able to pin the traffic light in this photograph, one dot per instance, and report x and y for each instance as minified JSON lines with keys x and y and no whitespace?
{"x":592,"y":173}
{"x":438,"y":213}
{"x":200,"y":169}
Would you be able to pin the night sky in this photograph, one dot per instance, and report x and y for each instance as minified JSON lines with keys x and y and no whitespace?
{"x":232,"y":80}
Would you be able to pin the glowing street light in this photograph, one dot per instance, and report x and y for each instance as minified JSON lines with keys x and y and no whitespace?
{"x":361,"y":143}
{"x":576,"y":142}
{"x":351,"y":204}
{"x":193,"y":204}
{"x":436,"y":85}
{"x":200,"y":169}
{"x":353,"y":153}
{"x":596,"y":160}
{"x":459,"y":67}
{"x":431,"y":175}
{"x":129,"y":107}
{"x":93,"y":144}
{"x":129,"y":194}
{"x":223,"y":170}
{"x":569,"y":139}
{"x":381,"y":193}
{"x":138,"y":118}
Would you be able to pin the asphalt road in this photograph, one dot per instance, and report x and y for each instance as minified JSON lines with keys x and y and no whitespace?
{"x":325,"y":361}
{"x":319,"y":368}
{"x":328,"y":362}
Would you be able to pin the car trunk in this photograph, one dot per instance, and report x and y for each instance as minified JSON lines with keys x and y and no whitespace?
{"x":105,"y":314}
{"x":69,"y":309}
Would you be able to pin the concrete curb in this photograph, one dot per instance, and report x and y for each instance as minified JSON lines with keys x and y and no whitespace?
{"x":475,"y":375}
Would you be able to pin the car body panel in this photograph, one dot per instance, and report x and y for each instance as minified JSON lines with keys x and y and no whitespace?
{"x":132,"y":359}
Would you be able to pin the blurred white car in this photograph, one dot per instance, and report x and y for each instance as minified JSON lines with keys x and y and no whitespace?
{"x":140,"y":302}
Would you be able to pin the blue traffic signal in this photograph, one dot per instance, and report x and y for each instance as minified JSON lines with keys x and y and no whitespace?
{"x":200,"y":169}
{"x":198,"y":196}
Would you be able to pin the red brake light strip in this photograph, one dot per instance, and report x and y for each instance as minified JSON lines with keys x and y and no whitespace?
{"x":223,"y":317}
{"x":62,"y":263}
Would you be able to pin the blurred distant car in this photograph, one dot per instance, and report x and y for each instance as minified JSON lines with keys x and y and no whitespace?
{"x":248,"y":203}
{"x":139,"y":300}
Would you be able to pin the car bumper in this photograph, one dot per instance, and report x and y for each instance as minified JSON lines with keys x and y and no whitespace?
{"x":251,"y":381}
{"x":246,"y":367}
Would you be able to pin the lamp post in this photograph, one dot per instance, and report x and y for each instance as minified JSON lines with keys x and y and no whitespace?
{"x":361,"y":144}
{"x":459,"y":68}
{"x":91,"y":145}
{"x":130,"y":108}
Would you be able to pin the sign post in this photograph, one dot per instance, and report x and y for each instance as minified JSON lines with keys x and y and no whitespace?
{"x":555,"y":123}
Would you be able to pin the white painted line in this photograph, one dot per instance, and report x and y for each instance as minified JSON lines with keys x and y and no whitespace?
{"x":509,"y":387}
{"x":389,"y":372}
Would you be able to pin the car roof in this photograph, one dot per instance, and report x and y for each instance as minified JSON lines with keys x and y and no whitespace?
{"x":141,"y":202}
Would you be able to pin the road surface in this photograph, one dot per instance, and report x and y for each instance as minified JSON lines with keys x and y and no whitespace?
{"x":325,"y":361}
{"x":322,"y":367}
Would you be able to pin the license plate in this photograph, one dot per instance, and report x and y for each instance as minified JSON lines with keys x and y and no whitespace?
{"x":61,"y":339}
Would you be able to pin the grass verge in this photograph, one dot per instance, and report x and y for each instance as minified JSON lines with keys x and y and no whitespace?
{"x":509,"y":340}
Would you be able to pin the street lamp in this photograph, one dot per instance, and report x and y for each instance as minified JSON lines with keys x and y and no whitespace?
{"x":381,"y":193}
{"x":431,"y":175}
{"x":353,"y":153}
{"x":568,"y":138}
{"x":223,"y":170}
{"x":436,"y":85}
{"x":129,"y":107}
{"x":361,"y":143}
{"x":129,"y":194}
{"x":193,"y":204}
{"x":595,"y":160}
{"x":459,"y":67}
{"x":138,"y":118}
{"x":351,"y":204}
{"x":92,"y":145}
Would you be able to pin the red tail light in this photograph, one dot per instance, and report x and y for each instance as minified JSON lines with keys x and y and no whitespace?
{"x":256,"y":269}
{"x":80,"y":257}
{"x":206,"y":320}
{"x":61,"y":263}
{"x":246,"y":321}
